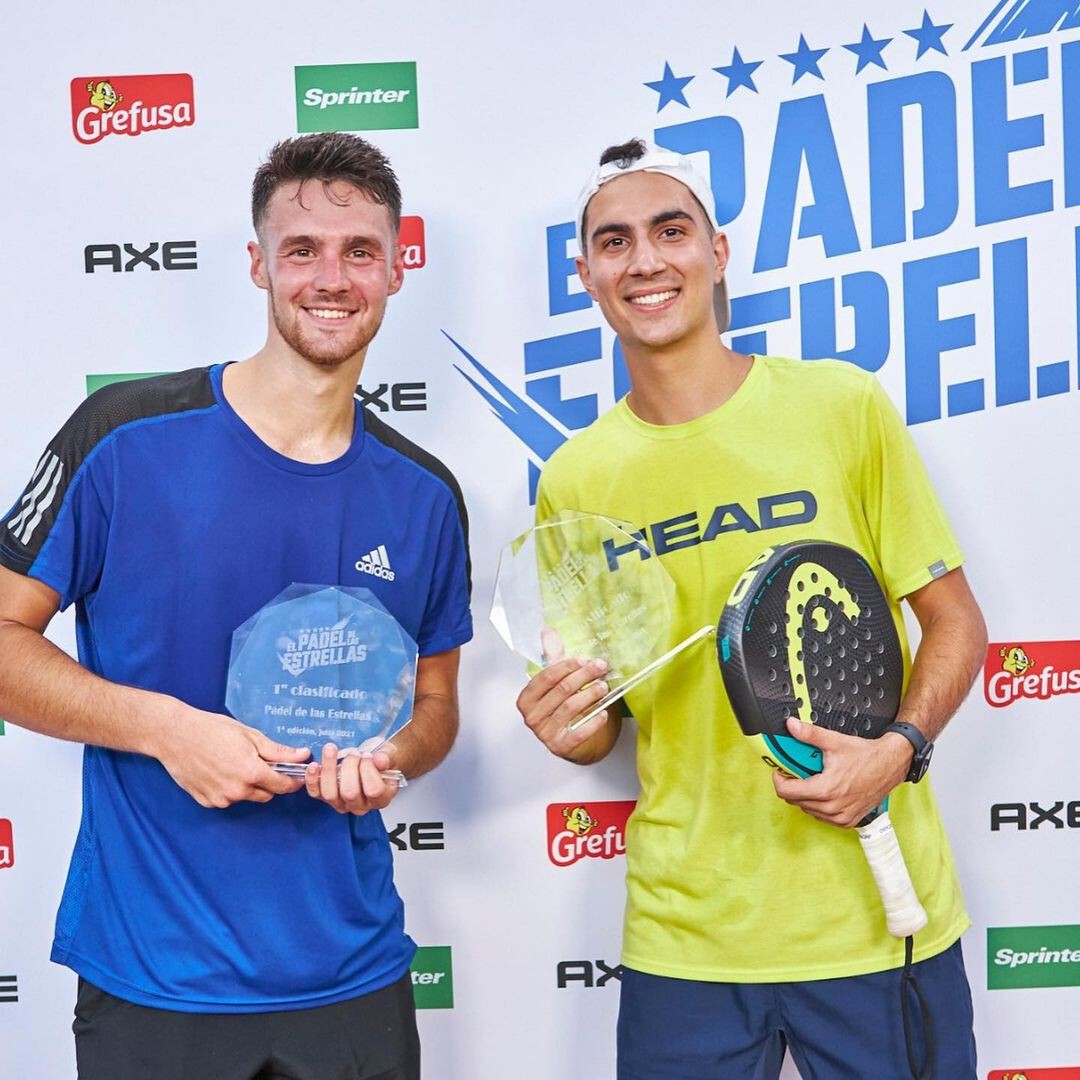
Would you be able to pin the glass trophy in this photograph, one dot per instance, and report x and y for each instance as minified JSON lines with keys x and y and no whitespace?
{"x":323,"y":664}
{"x":585,"y":585}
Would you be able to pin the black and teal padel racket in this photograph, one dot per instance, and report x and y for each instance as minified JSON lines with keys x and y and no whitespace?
{"x":807,"y":632}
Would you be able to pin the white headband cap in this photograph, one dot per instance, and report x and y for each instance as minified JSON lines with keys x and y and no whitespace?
{"x":678,"y":167}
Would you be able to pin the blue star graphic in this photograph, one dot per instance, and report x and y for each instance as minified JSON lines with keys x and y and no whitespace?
{"x":868,"y":49}
{"x":670,"y":88}
{"x":739,"y":72}
{"x":805,"y":60}
{"x":929,"y":35}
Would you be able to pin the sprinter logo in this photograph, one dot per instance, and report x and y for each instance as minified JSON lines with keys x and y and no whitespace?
{"x":432,"y":974}
{"x":1025,"y":956}
{"x":356,"y":97}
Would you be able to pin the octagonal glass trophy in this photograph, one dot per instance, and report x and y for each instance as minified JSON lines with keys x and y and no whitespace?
{"x":323,"y":664}
{"x":586,"y":585}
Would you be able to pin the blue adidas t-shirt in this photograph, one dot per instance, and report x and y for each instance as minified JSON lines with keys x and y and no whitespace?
{"x":168,"y":522}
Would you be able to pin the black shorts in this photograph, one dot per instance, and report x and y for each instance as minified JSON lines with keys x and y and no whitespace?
{"x":372,"y":1037}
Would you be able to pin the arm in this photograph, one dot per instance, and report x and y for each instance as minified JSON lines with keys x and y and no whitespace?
{"x":355,"y":785}
{"x":859,"y":773}
{"x":215,"y":759}
{"x":427,"y":740}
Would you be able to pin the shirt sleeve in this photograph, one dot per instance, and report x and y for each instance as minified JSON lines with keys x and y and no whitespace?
{"x":915,"y":542}
{"x":447,"y":621}
{"x":57,"y":531}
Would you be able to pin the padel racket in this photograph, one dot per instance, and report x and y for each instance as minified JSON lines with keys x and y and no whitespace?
{"x":807,"y":632}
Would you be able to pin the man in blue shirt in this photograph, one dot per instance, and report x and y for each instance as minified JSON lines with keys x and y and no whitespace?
{"x":227,"y":920}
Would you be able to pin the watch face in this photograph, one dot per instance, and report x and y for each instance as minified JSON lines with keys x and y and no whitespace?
{"x":920,"y":763}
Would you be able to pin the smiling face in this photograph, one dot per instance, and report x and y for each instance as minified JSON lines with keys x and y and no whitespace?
{"x":652,"y":261}
{"x":328,"y":256}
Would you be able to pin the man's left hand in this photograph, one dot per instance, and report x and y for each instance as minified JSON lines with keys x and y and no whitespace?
{"x":857,"y":775}
{"x":353,"y":785}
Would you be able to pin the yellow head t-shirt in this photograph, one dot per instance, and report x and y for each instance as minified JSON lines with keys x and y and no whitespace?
{"x":725,"y":881}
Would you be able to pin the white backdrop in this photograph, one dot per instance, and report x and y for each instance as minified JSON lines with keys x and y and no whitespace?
{"x":945,"y":226}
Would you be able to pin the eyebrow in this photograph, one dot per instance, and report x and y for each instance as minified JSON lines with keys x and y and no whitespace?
{"x":657,"y":219}
{"x":351,"y":242}
{"x":670,"y":215}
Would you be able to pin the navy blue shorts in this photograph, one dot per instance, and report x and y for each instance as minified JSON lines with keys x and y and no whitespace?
{"x":683,"y":1029}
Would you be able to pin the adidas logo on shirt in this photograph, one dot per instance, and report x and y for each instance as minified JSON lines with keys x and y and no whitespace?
{"x":377,"y":563}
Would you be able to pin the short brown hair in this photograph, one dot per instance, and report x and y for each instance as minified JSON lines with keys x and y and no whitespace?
{"x":327,"y":156}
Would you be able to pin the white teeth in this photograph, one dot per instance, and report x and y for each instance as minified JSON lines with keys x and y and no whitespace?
{"x":653,"y":298}
{"x":329,"y":313}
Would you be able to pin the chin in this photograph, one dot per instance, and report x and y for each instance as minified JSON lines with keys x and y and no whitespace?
{"x":321,"y":360}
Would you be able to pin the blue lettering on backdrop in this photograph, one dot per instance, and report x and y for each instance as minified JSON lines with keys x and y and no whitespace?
{"x":934,"y":95}
{"x":561,"y":352}
{"x":1012,"y":368}
{"x":867,"y":294}
{"x":996,"y":137}
{"x":803,"y":132}
{"x":1070,"y":106}
{"x":912,"y":128}
{"x":722,"y":138}
{"x":928,"y":335}
{"x":561,"y":271}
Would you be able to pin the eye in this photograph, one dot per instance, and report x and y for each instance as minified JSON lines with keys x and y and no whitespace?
{"x":614,"y":242}
{"x":301,"y":252}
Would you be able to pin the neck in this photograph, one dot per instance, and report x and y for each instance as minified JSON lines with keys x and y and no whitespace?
{"x":299,"y":409}
{"x":678,"y":384}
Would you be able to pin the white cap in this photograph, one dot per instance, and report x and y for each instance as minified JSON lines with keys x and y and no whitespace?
{"x":678,"y":167}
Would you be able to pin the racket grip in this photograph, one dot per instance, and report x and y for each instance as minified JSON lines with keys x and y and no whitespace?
{"x":904,"y":915}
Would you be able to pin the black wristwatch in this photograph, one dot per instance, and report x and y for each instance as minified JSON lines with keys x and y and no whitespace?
{"x":924,"y":750}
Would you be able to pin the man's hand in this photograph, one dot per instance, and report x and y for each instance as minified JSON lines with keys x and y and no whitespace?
{"x":857,"y":775}
{"x":353,"y":785}
{"x":556,"y":696}
{"x":219,"y":761}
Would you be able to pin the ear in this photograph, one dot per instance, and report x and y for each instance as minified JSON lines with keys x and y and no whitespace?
{"x":258,"y":265}
{"x":721,"y":253}
{"x":397,"y":270}
{"x":582,"y":265}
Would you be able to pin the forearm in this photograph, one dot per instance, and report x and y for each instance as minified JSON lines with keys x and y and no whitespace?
{"x":423,"y":743}
{"x":45,"y":690}
{"x":946,"y":664}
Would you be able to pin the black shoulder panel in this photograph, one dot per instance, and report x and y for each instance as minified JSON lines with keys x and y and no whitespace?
{"x":23,"y":531}
{"x":384,"y":433}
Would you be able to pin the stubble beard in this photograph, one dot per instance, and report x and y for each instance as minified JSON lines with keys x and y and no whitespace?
{"x":324,"y":354}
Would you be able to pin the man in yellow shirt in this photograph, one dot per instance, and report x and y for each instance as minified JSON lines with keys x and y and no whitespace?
{"x":752,"y":921}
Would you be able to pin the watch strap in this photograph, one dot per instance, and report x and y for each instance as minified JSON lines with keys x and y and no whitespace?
{"x":923,"y":749}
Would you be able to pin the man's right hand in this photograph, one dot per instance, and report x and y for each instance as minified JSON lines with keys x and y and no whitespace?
{"x":556,"y":696}
{"x":218,"y":761}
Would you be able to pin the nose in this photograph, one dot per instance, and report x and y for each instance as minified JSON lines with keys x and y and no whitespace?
{"x":330,"y":274}
{"x":646,"y":259}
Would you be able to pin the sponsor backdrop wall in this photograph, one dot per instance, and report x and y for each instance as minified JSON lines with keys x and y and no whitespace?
{"x":900,"y":184}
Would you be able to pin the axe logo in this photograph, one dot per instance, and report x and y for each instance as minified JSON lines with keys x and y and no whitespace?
{"x":588,"y":973}
{"x":419,"y":836}
{"x":174,"y":255}
{"x":403,"y":397}
{"x":1030,"y":816}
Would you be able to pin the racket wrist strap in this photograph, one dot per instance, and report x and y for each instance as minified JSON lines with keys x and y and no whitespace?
{"x":911,"y":995}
